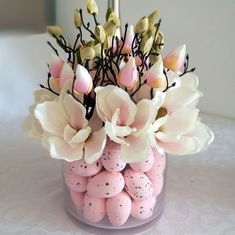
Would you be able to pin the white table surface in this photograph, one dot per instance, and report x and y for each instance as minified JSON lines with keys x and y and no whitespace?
{"x":200,"y":195}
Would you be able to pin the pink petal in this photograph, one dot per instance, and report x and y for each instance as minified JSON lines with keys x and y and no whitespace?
{"x":55,"y":66}
{"x":65,"y":75}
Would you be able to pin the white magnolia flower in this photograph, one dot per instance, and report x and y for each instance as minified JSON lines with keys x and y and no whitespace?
{"x":125,"y":122}
{"x":66,"y":131}
{"x":180,"y":132}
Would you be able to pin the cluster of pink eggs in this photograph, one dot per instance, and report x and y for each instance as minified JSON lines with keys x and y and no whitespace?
{"x":111,"y":187}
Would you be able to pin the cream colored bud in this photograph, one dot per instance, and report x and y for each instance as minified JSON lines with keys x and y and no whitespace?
{"x":114,"y":19}
{"x":110,"y":28}
{"x":160,"y":39}
{"x":109,"y":11}
{"x":54,"y":30}
{"x":87,"y":53}
{"x":146,"y":43}
{"x":142,"y":25}
{"x":92,"y":7}
{"x":153,"y":17}
{"x":100,"y":33}
{"x":77,"y":19}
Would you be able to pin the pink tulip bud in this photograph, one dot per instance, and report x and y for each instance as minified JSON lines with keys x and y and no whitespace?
{"x":154,"y":76}
{"x":175,"y":59}
{"x":65,"y":75}
{"x":128,"y":74}
{"x":55,"y":66}
{"x":127,"y":48}
{"x":83,"y":83}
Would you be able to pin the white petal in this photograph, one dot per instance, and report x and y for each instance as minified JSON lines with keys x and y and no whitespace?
{"x":136,"y":150}
{"x":181,"y":121}
{"x":44,"y":140}
{"x":159,"y":122}
{"x":51,"y":117}
{"x":95,"y":145}
{"x":32,"y":127}
{"x":189,"y":80}
{"x":81,"y":136}
{"x":69,"y":132}
{"x":59,"y":149}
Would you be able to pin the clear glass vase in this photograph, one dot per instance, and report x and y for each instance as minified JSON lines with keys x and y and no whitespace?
{"x":113,"y":195}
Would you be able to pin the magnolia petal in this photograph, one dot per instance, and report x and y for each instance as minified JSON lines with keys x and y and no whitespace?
{"x":59,"y":149}
{"x":204,"y":134}
{"x":55,"y":66}
{"x":180,"y":97}
{"x":159,"y":122}
{"x":69,"y":132}
{"x":136,"y":150}
{"x":81,"y":136}
{"x":51,"y":117}
{"x":32,"y":127}
{"x":95,"y":145}
{"x":181,"y":121}
{"x":44,"y":140}
{"x":167,"y":137}
{"x":190,"y":80}
{"x":184,"y":146}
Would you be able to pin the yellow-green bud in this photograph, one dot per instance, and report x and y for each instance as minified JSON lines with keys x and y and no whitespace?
{"x":110,"y":28}
{"x":54,"y":30}
{"x":153,"y":17}
{"x":100,"y":33}
{"x":109,"y":11}
{"x":146,"y":44}
{"x":77,"y":19}
{"x":87,"y":53}
{"x":114,"y":19}
{"x":92,"y":7}
{"x":142,"y":25}
{"x":160,"y":39}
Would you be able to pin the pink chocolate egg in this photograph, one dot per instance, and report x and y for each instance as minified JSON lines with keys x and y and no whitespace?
{"x":67,"y":166}
{"x":105,"y":184}
{"x":138,"y":185}
{"x":143,"y":210}
{"x":111,"y":157}
{"x":159,"y":162}
{"x":93,"y":208}
{"x":82,"y":168}
{"x":77,"y":199}
{"x":144,"y":165}
{"x":75,"y":182}
{"x":118,"y":208}
{"x":157,"y":182}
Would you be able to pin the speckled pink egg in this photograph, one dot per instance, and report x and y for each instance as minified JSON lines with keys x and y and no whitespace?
{"x":118,"y":208}
{"x":82,"y":168}
{"x":144,"y":165}
{"x":67,"y":166}
{"x":143,"y":210}
{"x":77,"y":199}
{"x":110,"y":159}
{"x":159,"y":162}
{"x":138,"y":185}
{"x":105,"y":184}
{"x":93,"y":208}
{"x":157,"y":182}
{"x":75,"y":182}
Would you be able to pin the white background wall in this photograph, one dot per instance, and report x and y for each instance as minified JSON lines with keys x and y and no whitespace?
{"x":207,"y":27}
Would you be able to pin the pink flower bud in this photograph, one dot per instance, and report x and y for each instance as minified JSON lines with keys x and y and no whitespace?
{"x":175,"y":59}
{"x":128,"y":74}
{"x":55,"y":66}
{"x":154,"y":76}
{"x":66,"y":74}
{"x":83,"y":83}
{"x":129,"y":39}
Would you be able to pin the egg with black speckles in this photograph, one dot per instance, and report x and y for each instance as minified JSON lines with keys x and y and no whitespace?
{"x":77,"y":199}
{"x":143,"y":210}
{"x":75,"y":182}
{"x":146,"y":165}
{"x":82,"y":168}
{"x":93,"y":208}
{"x":111,"y":159}
{"x":118,"y":208}
{"x":159,"y":164}
{"x":157,"y":182}
{"x":138,"y":185}
{"x":105,"y":184}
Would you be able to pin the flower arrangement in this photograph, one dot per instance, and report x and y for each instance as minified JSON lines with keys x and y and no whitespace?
{"x":119,"y":88}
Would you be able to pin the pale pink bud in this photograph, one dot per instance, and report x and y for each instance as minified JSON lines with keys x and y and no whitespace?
{"x":83,"y":83}
{"x":128,"y":74}
{"x":154,"y":76}
{"x":55,"y":66}
{"x":127,"y":48}
{"x":65,"y":75}
{"x":175,"y":59}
